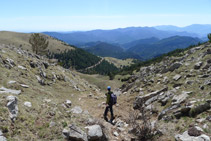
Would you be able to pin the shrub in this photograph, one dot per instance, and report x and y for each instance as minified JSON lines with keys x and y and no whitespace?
{"x":209,"y":37}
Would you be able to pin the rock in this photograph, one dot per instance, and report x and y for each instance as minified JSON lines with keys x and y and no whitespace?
{"x":76,"y":110}
{"x":41,"y":81}
{"x":28,"y":104}
{"x":194,"y":132}
{"x":5,"y":90}
{"x":208,"y":118}
{"x":33,"y":64}
{"x":94,"y":133}
{"x":46,"y":64}
{"x":189,"y":82}
{"x":200,"y":120}
{"x":1,"y":133}
{"x":13,"y":107}
{"x":199,"y":109}
{"x":74,"y":133}
{"x":140,"y":100}
{"x":9,"y":63}
{"x":165,"y":111}
{"x":177,"y":77}
{"x":21,"y":67}
{"x":11,"y":82}
{"x":175,"y":66}
{"x":183,"y":111}
{"x":198,"y":65}
{"x":2,"y":138}
{"x":116,"y":133}
{"x":68,"y":103}
{"x":178,"y":99}
{"x":24,"y":86}
{"x":42,"y":73}
{"x":186,"y":137}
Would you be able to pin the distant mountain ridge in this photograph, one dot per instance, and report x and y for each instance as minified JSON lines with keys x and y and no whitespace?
{"x":153,"y":49}
{"x":120,"y":36}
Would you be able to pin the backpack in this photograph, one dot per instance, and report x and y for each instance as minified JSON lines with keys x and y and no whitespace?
{"x":113,"y":99}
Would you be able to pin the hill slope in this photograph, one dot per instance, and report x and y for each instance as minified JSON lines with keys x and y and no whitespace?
{"x":151,"y":50}
{"x":22,"y":40}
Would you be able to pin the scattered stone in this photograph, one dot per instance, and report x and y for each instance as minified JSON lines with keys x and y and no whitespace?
{"x":13,"y":107}
{"x":11,"y":82}
{"x":24,"y":86}
{"x":21,"y":67}
{"x":74,"y":133}
{"x":193,"y":131}
{"x":200,"y":120}
{"x":177,"y":77}
{"x":28,"y":104}
{"x":5,"y":90}
{"x":94,"y":133}
{"x":76,"y":110}
{"x":186,"y":137}
{"x":68,"y":103}
{"x":208,"y":118}
{"x":116,"y":133}
{"x":165,"y":111}
{"x":9,"y":63}
{"x":198,"y":65}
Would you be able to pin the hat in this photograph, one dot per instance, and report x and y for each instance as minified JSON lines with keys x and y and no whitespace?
{"x":109,"y":87}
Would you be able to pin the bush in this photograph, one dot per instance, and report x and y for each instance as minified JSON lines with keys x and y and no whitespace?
{"x":209,"y":37}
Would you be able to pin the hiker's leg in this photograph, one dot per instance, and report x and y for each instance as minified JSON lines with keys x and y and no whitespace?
{"x":105,"y":113}
{"x":111,"y":110}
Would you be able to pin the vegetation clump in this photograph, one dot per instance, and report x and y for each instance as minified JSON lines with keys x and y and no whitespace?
{"x":209,"y":37}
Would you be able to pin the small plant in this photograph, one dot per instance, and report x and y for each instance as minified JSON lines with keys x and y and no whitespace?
{"x":209,"y":37}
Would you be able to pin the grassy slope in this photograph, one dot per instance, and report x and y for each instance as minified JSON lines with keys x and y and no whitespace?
{"x":118,"y":62}
{"x":17,"y":39}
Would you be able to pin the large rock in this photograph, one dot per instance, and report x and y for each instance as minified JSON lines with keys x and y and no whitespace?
{"x":74,"y":133}
{"x":166,"y":111}
{"x":94,"y":133}
{"x":140,"y":100}
{"x":200,"y":109}
{"x":2,"y":138}
{"x":5,"y":90}
{"x":178,"y":99}
{"x":13,"y":107}
{"x":174,"y":66}
{"x":186,"y":137}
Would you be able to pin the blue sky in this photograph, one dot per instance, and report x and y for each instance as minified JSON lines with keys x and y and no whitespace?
{"x":73,"y":15}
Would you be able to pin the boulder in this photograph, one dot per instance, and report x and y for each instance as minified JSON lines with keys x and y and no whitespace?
{"x":174,"y":66}
{"x":76,"y":110}
{"x":2,"y":138}
{"x":74,"y":133}
{"x":178,"y":99}
{"x":186,"y":137}
{"x":13,"y":107}
{"x":5,"y":90}
{"x":94,"y":133}
{"x":177,"y":77}
{"x":140,"y":100}
{"x":9,"y":63}
{"x":165,"y":111}
{"x":198,"y":65}
{"x":200,"y":109}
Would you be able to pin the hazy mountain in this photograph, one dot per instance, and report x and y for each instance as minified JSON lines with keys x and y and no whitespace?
{"x":120,"y":36}
{"x":151,"y":50}
{"x":201,"y":29}
{"x":109,"y":50}
{"x":139,"y":42}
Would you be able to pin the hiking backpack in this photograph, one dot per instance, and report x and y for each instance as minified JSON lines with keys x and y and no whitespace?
{"x":113,"y":99}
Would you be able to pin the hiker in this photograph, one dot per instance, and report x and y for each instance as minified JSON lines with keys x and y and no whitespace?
{"x":109,"y":105}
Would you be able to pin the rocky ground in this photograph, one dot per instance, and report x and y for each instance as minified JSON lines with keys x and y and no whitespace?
{"x":40,"y":100}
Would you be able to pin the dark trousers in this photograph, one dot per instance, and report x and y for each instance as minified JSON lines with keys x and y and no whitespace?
{"x":106,"y":112}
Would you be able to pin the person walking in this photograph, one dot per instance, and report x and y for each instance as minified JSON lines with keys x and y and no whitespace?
{"x":109,"y":105}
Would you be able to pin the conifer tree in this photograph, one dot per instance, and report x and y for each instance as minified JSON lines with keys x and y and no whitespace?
{"x":39,"y":43}
{"x":209,"y":37}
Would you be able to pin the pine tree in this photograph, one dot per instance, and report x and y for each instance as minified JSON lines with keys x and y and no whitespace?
{"x":39,"y":43}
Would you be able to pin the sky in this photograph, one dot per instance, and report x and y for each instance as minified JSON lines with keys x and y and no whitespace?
{"x":81,"y":15}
